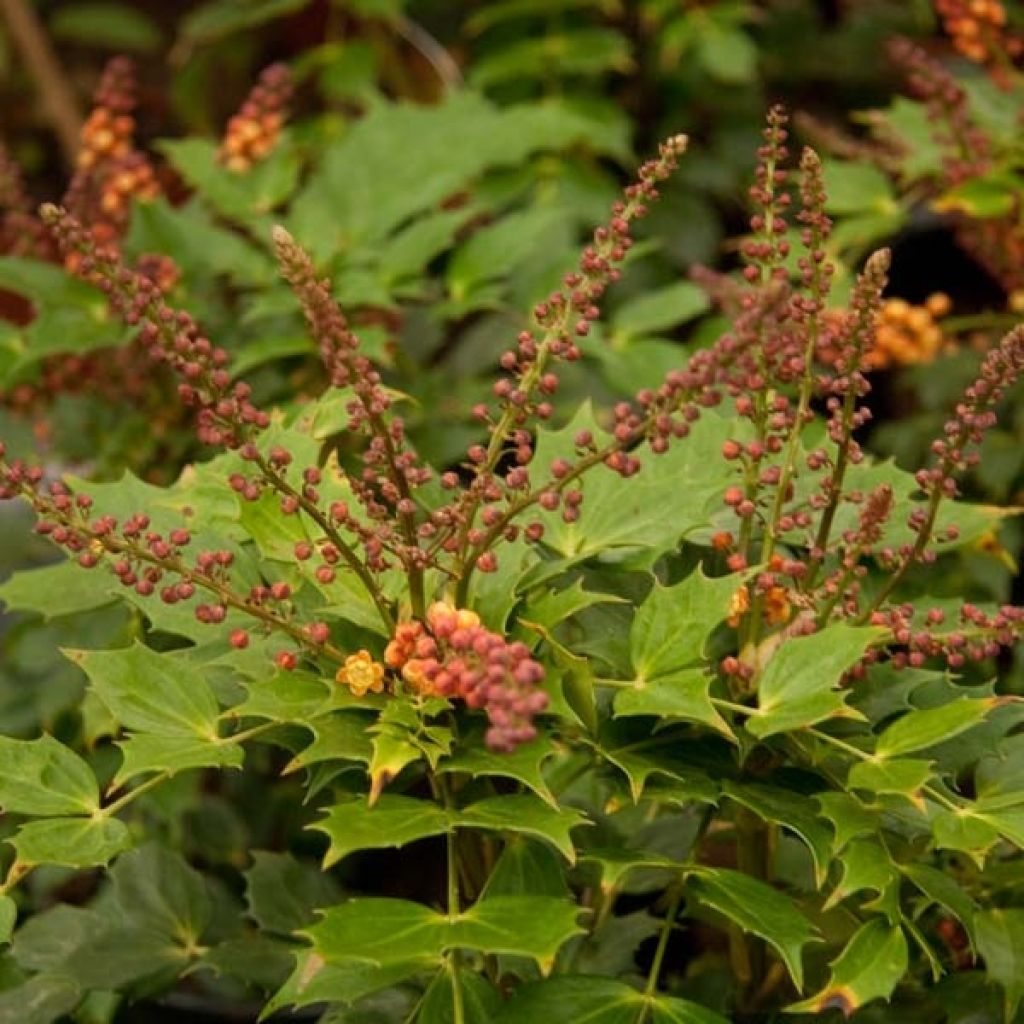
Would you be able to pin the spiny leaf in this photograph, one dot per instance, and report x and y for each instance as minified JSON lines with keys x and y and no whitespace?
{"x":870,"y":967}
{"x":577,"y":999}
{"x":799,"y":685}
{"x":390,"y":931}
{"x":73,"y":842}
{"x":757,"y":908}
{"x":44,"y":778}
{"x":151,"y":692}
{"x":918,"y":730}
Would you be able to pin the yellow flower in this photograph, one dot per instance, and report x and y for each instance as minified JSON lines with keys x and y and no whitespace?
{"x":361,"y":674}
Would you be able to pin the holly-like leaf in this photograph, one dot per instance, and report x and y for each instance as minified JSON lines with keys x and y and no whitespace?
{"x":151,"y":692}
{"x":1000,"y":936}
{"x":284,"y":697}
{"x":389,"y":931}
{"x":918,"y":730}
{"x":848,"y":816}
{"x":391,"y":821}
{"x":791,"y":810}
{"x":866,"y":865}
{"x":527,"y":814}
{"x":667,"y":638}
{"x":524,"y":764}
{"x":756,"y":908}
{"x":870,"y":967}
{"x":479,"y":999}
{"x":41,"y":999}
{"x":573,"y":999}
{"x":145,"y":752}
{"x":55,"y":590}
{"x":72,"y":842}
{"x":157,"y":890}
{"x":800,"y":684}
{"x":314,"y":980}
{"x":282,"y":893}
{"x":339,"y":736}
{"x":44,"y":778}
{"x":904,"y":776}
{"x":646,"y":510}
{"x":940,"y":888}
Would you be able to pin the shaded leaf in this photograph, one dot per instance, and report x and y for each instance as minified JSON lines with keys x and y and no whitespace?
{"x":756,"y":908}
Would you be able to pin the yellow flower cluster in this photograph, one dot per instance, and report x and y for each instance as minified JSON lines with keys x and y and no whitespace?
{"x":907,"y":334}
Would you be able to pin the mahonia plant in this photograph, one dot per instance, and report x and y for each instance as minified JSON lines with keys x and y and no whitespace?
{"x":674,"y":668}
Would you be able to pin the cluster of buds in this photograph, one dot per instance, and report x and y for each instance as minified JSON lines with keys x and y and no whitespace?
{"x":979,"y":31}
{"x":906,"y":334}
{"x":254,"y":131}
{"x":454,"y":655}
{"x":110,"y":171}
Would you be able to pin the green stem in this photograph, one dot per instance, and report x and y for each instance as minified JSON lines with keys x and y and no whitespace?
{"x":659,"y":954}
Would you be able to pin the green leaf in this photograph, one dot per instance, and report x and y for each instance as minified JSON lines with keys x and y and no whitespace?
{"x":284,"y":697}
{"x":242,"y":197}
{"x":478,"y":998}
{"x":110,"y":26}
{"x":338,"y":736}
{"x":849,"y":817}
{"x":993,"y":195}
{"x":54,"y":590}
{"x":727,"y":54}
{"x":316,"y":981}
{"x":756,"y":908}
{"x":40,"y":1000}
{"x":151,"y":692}
{"x":866,"y":865}
{"x":44,"y":778}
{"x":495,"y":251}
{"x":527,"y":868}
{"x":791,"y":810}
{"x":940,"y":888}
{"x":282,"y":893}
{"x":905,"y":776}
{"x":396,"y":820}
{"x":800,"y":684}
{"x":964,"y":830}
{"x":392,"y":821}
{"x":578,"y":999}
{"x":857,"y":188}
{"x":8,"y":915}
{"x":659,"y":310}
{"x":145,"y":752}
{"x":73,"y":842}
{"x":389,"y":931}
{"x":645,"y":511}
{"x":672,"y":625}
{"x":524,"y":764}
{"x":585,"y":51}
{"x":1000,"y":935}
{"x":682,"y":694}
{"x":525,"y":813}
{"x":156,"y":889}
{"x":219,"y":18}
{"x":870,"y":967}
{"x":918,"y":730}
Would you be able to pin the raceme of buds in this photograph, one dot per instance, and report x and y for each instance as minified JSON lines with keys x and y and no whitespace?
{"x":254,"y":131}
{"x":110,"y":172}
{"x":454,"y":655}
